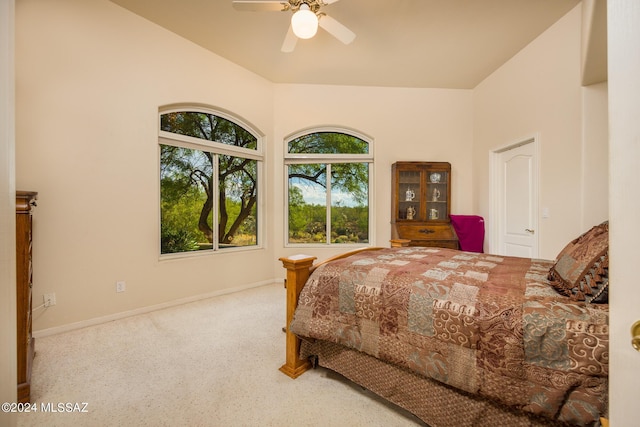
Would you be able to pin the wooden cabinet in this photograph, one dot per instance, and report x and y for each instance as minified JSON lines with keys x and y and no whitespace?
{"x":25,"y":203}
{"x":421,"y":205}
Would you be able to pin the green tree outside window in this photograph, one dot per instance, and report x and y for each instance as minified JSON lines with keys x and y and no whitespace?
{"x":211,"y":183}
{"x":328,"y":181}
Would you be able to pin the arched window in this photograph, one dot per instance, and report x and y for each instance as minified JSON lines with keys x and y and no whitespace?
{"x":329,"y":173}
{"x":210,"y":169}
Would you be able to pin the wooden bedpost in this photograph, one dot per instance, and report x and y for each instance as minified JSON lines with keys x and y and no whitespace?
{"x":399,"y":243}
{"x":298,"y":267}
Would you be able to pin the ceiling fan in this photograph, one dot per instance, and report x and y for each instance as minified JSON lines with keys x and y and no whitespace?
{"x":305,"y":19}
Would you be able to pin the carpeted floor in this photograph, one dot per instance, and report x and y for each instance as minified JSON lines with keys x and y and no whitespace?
{"x":209,"y":363}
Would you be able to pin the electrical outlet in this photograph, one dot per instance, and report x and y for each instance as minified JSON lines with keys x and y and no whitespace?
{"x":49,"y":299}
{"x":121,"y":286}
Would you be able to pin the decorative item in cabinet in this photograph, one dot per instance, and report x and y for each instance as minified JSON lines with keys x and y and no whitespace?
{"x":421,"y":195}
{"x":25,"y":203}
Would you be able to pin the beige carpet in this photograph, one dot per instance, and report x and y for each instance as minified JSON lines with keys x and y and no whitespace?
{"x":209,"y":363}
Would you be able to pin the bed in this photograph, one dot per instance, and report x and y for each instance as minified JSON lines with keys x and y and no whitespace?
{"x":460,"y":338}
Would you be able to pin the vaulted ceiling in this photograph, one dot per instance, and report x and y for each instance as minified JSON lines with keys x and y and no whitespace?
{"x":399,"y":43}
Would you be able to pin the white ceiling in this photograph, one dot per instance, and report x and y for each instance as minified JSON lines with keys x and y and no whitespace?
{"x":399,"y":43}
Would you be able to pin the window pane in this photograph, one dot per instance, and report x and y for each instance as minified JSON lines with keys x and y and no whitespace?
{"x":307,"y":203}
{"x":186,"y":178}
{"x":209,"y":127}
{"x":238,"y":185}
{"x":328,"y":143}
{"x":350,"y":203}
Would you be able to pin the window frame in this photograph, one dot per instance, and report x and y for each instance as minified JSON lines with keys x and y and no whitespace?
{"x":328,"y":159}
{"x":216,"y":149}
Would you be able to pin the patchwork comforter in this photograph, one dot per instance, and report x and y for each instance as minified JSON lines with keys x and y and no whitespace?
{"x":485,"y":324}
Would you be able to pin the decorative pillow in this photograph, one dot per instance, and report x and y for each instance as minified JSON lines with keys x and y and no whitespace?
{"x":581,"y":270}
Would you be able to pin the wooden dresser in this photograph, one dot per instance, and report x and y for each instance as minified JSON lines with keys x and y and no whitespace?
{"x":25,"y":204}
{"x":421,"y":205}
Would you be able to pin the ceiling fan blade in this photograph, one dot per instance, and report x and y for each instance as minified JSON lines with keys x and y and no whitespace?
{"x":289,"y":42}
{"x":260,"y":5}
{"x":336,"y":29}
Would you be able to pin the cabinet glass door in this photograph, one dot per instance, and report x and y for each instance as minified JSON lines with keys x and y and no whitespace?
{"x":410,"y":195}
{"x":437,"y":190}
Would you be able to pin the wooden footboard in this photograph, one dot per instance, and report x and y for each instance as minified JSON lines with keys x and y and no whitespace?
{"x":299,"y":267}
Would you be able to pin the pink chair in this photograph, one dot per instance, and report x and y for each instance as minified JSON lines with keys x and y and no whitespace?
{"x":470,"y":231}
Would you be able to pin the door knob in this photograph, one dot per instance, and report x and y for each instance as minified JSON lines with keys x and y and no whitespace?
{"x":635,"y":335}
{"x":528,"y":230}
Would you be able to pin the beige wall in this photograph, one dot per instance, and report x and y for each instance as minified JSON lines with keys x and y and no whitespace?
{"x":92,"y":75}
{"x":595,"y":160}
{"x":90,"y":79}
{"x":406,"y":124}
{"x":538,"y":92}
{"x":92,"y":153}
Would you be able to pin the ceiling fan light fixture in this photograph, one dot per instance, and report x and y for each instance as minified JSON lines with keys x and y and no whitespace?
{"x":304,"y":22}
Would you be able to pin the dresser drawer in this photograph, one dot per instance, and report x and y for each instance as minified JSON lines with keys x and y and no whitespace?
{"x":435,"y":235}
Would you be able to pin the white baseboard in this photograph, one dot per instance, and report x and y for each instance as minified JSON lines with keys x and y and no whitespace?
{"x":104,"y":319}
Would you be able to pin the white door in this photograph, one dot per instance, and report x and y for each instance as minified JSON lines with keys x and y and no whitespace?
{"x":517,"y":197}
{"x":623,"y":30}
